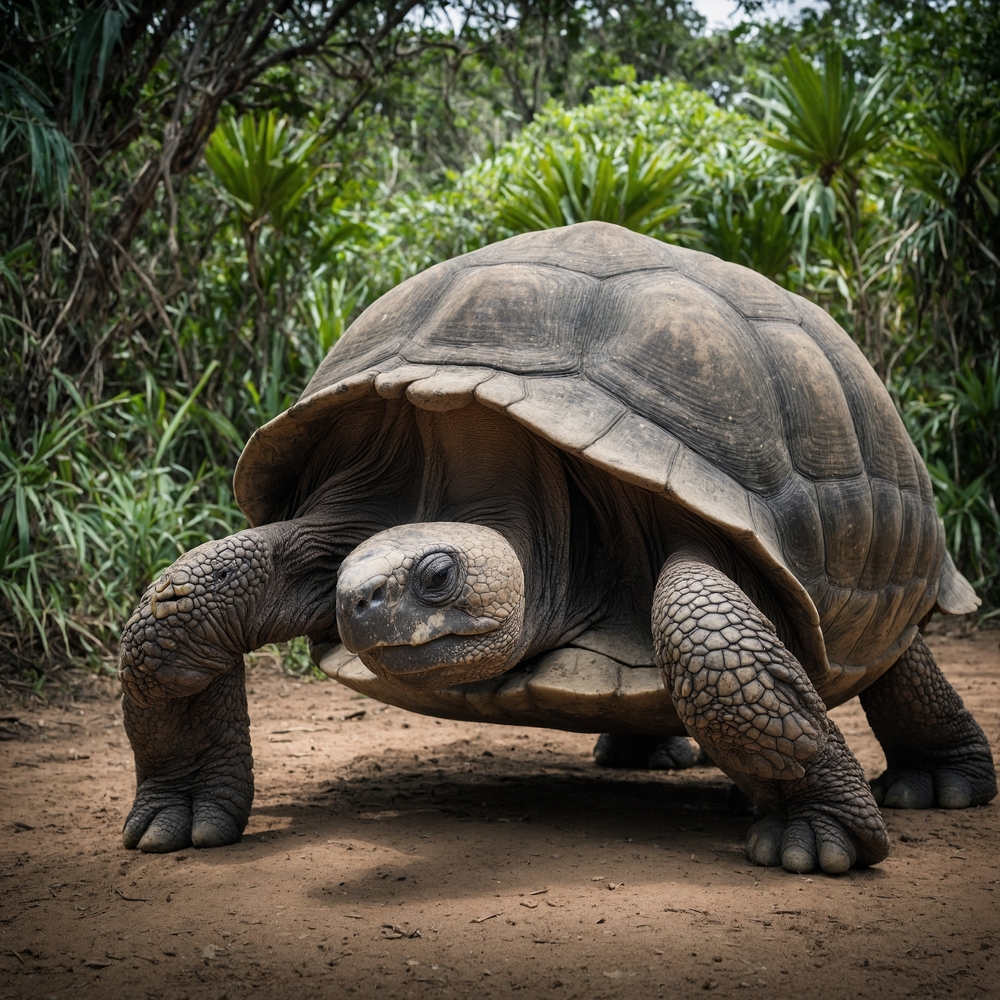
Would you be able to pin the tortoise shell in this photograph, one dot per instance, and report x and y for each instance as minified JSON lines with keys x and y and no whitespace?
{"x":682,"y":374}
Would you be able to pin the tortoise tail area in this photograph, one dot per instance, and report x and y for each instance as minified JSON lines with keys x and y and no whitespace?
{"x":955,"y":594}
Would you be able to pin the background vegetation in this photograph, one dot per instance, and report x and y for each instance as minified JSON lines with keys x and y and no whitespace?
{"x":197,"y":197}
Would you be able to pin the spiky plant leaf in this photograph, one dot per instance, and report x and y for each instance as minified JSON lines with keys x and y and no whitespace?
{"x":587,"y":179}
{"x":263,"y":166}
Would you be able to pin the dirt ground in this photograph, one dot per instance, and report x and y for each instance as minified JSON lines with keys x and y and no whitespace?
{"x":393,"y":855}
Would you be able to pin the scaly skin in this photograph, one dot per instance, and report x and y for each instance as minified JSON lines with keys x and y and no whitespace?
{"x":181,"y":670}
{"x":194,"y":768}
{"x":937,"y":755}
{"x":749,"y":703}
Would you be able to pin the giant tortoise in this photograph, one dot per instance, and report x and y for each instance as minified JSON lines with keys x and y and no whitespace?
{"x":581,"y":479}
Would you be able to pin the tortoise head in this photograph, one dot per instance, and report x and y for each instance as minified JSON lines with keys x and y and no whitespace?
{"x":429,"y":605}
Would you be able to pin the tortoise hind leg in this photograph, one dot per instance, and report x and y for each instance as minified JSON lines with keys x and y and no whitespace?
{"x":936,"y":753}
{"x":651,"y":753}
{"x":746,"y":699}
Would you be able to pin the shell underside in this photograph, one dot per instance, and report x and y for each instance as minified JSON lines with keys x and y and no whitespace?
{"x":569,"y":688}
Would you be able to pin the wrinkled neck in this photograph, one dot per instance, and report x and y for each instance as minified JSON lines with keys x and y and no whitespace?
{"x":482,"y":468}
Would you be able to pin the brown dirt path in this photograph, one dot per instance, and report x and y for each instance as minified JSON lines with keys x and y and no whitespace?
{"x":392,"y":855}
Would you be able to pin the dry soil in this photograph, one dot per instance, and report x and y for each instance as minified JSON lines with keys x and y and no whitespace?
{"x":392,"y":855}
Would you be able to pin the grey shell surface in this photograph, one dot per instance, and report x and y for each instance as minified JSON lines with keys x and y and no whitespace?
{"x":687,"y":376}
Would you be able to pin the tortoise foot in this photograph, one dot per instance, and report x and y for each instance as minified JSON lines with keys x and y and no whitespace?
{"x":812,"y":840}
{"x":194,"y":769}
{"x":955,"y":778}
{"x":651,"y":753}
{"x":827,"y":820}
{"x":171,"y":815}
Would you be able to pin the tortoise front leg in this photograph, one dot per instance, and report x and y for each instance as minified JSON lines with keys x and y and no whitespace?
{"x":182,"y":675}
{"x":746,"y":699}
{"x":936,"y":753}
{"x":193,"y":767}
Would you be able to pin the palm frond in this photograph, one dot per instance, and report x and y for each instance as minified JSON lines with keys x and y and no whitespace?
{"x":27,"y":128}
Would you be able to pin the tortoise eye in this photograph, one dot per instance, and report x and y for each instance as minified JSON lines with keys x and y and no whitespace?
{"x":436,"y":577}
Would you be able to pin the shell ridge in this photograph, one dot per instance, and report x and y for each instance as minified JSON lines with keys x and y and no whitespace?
{"x":599,"y":278}
{"x":626,"y":412}
{"x":751,"y":319}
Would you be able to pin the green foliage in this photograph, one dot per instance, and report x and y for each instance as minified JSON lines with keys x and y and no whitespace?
{"x":26,"y":124}
{"x":262,"y":166}
{"x":740,"y":196}
{"x":96,"y":35}
{"x":949,"y":167}
{"x":630,"y":185}
{"x":93,"y":507}
{"x":954,"y":425}
{"x":830,"y":129}
{"x":829,"y":126}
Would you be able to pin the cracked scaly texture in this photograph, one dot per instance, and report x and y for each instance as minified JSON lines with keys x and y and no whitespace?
{"x":750,"y":704}
{"x":193,"y":767}
{"x":192,"y":623}
{"x":937,"y":755}
{"x":181,"y":670}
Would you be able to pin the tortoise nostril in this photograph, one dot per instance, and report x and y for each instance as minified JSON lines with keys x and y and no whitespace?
{"x":365,"y":601}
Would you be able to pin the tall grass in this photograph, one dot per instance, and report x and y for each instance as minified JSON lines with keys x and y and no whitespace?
{"x":94,"y":506}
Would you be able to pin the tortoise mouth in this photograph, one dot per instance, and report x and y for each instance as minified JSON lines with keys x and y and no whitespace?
{"x":430,"y":666}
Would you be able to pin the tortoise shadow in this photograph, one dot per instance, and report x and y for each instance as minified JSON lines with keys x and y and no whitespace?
{"x":603,"y":805}
{"x":693,"y":817}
